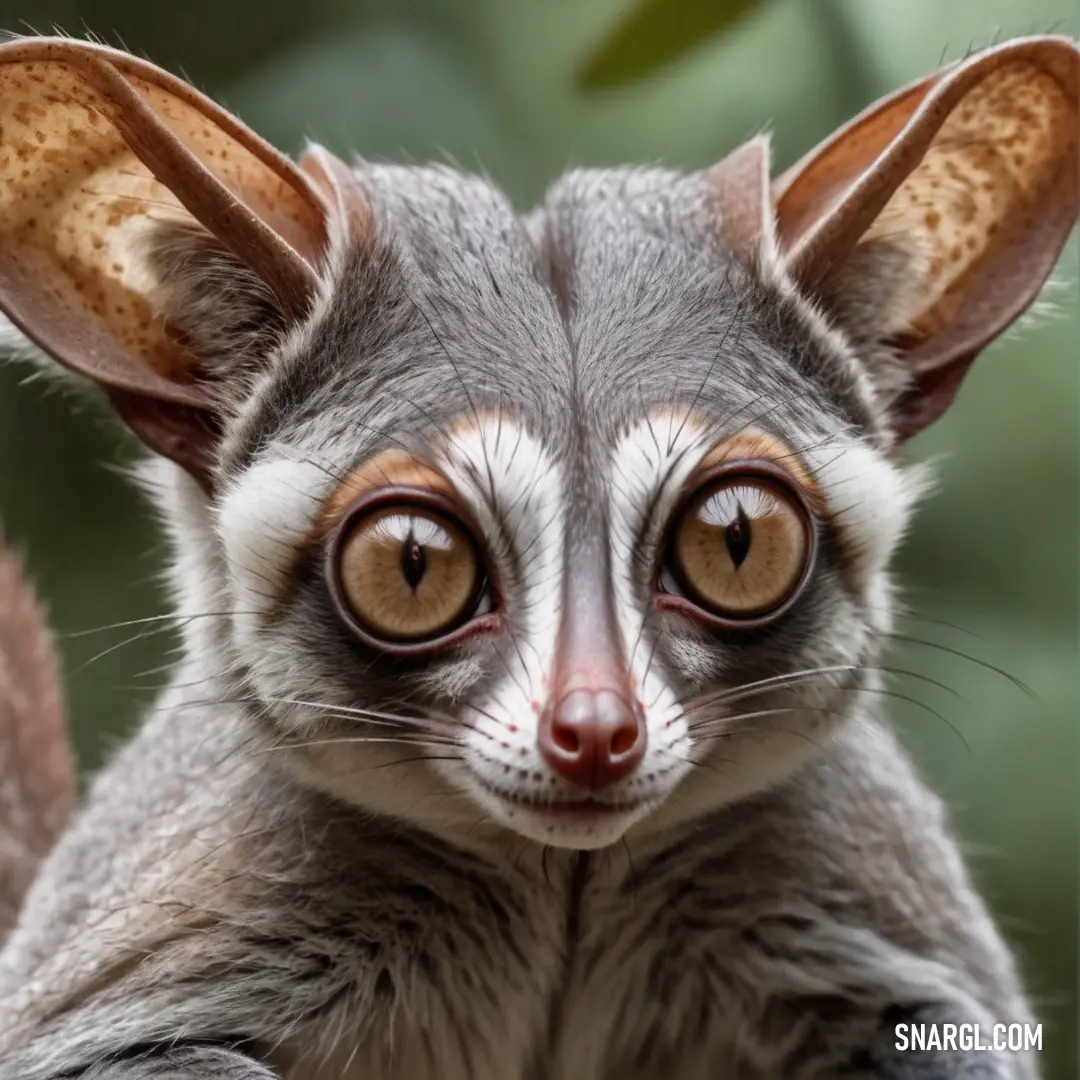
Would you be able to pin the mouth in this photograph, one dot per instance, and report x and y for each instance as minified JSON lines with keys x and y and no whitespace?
{"x":573,"y":809}
{"x":587,"y":821}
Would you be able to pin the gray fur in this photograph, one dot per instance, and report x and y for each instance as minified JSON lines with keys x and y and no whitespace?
{"x":229,"y":906}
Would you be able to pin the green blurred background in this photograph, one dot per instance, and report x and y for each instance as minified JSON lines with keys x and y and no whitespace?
{"x":497,"y":84}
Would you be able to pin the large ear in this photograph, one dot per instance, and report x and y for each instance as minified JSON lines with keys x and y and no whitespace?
{"x":933,"y":219}
{"x":98,"y":152}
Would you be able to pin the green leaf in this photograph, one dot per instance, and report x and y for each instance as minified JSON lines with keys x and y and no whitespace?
{"x":653,"y":34}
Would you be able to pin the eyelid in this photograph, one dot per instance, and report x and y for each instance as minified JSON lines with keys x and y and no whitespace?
{"x":751,"y":448}
{"x":390,"y":469}
{"x":759,"y":469}
{"x":752,"y":469}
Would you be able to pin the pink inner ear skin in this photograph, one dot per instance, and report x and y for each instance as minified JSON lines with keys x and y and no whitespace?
{"x":828,"y":201}
{"x":341,"y":190}
{"x":814,"y":187}
{"x":69,"y":186}
{"x":264,"y":181}
{"x":975,"y":170}
{"x":988,"y":179}
{"x":739,"y":190}
{"x":96,"y":147}
{"x":219,"y":177}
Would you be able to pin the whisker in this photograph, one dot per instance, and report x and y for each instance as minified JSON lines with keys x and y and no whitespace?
{"x":873,"y":690}
{"x":81,"y":669}
{"x":357,"y":740}
{"x":176,"y":617}
{"x":407,"y":761}
{"x":693,"y":763}
{"x":374,"y":717}
{"x":918,"y":616}
{"x":908,"y":640}
{"x":350,"y":711}
{"x":917,"y":675}
{"x":758,"y":713}
{"x":737,"y":693}
{"x":749,"y":690}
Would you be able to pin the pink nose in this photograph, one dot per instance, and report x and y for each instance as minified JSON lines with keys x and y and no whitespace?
{"x":592,"y":737}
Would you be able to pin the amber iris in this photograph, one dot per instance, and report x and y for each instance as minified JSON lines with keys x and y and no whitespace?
{"x":740,"y":547}
{"x":408,"y":573}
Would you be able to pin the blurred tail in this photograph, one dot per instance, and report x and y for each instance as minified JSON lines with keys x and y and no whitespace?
{"x":37,"y":770}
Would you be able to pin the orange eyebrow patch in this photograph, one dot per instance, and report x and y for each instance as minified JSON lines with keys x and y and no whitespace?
{"x":391,"y":468}
{"x":758,"y":445}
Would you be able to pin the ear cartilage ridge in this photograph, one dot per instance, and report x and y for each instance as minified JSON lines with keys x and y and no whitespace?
{"x":975,"y":169}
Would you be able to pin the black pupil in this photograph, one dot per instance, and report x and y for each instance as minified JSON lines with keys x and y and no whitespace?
{"x":413,"y":561}
{"x":737,"y":538}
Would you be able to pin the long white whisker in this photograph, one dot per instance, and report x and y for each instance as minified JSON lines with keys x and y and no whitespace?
{"x":716,"y":721}
{"x":371,"y":715}
{"x":760,"y":686}
{"x":351,"y":740}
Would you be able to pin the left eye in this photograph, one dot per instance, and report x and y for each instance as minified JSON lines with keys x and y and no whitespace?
{"x":408,"y":574}
{"x":740,"y":548}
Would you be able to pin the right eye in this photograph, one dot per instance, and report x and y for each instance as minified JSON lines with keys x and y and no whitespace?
{"x":741,"y":548}
{"x":408,"y":573}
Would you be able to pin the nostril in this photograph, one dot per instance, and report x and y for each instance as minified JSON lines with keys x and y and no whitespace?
{"x":592,"y":738}
{"x":623,"y":739}
{"x":566,"y":738}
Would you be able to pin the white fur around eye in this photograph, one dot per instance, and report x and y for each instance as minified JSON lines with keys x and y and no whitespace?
{"x":651,"y":462}
{"x":514,"y":489}
{"x":871,"y":501}
{"x":264,"y":518}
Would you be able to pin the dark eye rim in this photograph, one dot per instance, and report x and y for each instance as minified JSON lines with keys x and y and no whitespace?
{"x":437,"y":505}
{"x":690,"y":602}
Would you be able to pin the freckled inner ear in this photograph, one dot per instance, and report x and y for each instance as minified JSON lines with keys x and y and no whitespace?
{"x":998,"y":151}
{"x":927,"y":225}
{"x":388,"y":469}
